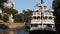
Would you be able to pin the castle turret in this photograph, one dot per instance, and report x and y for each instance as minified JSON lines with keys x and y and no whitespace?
{"x":10,"y":4}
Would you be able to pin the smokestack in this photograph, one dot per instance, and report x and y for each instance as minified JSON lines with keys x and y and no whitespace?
{"x":42,"y":1}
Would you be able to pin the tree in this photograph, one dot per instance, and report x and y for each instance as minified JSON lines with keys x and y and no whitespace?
{"x":10,"y":11}
{"x":56,"y":13}
{"x":27,"y":14}
{"x":23,"y":17}
{"x":2,"y":3}
{"x":55,"y":3}
{"x":5,"y":18}
{"x":14,"y":11}
{"x":18,"y":18}
{"x":0,"y":17}
{"x":55,"y":6}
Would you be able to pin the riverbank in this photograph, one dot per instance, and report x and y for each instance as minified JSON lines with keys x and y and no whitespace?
{"x":16,"y":26}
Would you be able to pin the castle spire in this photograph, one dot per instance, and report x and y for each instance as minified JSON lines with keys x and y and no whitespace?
{"x":13,"y":1}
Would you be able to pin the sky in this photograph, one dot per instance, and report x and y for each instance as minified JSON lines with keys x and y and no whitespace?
{"x":29,"y":4}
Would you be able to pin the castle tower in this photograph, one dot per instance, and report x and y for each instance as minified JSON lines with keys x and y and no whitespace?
{"x":13,"y":3}
{"x":10,"y":4}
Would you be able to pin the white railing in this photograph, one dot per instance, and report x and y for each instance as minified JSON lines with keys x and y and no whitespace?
{"x":48,"y":21}
{"x":36,"y":21}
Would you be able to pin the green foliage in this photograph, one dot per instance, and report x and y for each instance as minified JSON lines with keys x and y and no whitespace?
{"x":2,"y":3}
{"x":0,"y":17}
{"x":2,"y":6}
{"x":14,"y":11}
{"x":55,"y":3}
{"x":18,"y":18}
{"x":27,"y":15}
{"x":5,"y":18}
{"x":55,"y":6}
{"x":10,"y":11}
{"x":23,"y":17}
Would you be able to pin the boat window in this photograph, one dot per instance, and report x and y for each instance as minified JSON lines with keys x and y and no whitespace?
{"x":46,"y":17}
{"x":40,"y":7}
{"x":49,"y":25}
{"x":50,"y":18}
{"x":44,"y":24}
{"x":34,"y":25}
{"x":40,"y":24}
{"x":34,"y":17}
{"x":44,"y":7}
{"x":42,"y":17}
{"x":38,"y":17}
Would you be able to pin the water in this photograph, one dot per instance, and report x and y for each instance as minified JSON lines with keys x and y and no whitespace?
{"x":14,"y":31}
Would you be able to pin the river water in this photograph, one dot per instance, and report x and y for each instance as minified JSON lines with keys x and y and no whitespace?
{"x":14,"y":31}
{"x":17,"y":31}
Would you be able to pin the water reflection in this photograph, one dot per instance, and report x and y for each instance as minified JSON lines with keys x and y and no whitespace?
{"x":11,"y":31}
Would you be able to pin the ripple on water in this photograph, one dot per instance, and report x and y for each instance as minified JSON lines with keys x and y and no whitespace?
{"x":16,"y":31}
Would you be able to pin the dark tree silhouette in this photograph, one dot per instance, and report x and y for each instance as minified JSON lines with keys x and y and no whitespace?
{"x":55,"y":3}
{"x":56,"y":13}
